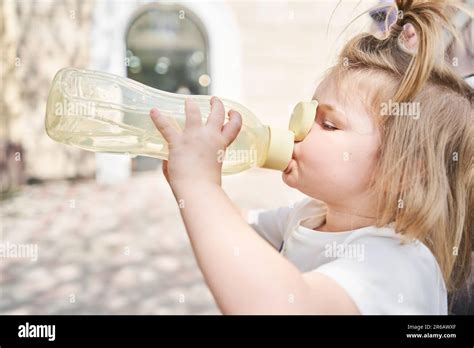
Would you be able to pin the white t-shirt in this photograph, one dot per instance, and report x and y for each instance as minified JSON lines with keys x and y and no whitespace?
{"x":381,"y":274}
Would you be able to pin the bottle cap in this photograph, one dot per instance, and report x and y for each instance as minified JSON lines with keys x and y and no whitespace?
{"x":302,"y":118}
{"x":280,"y":148}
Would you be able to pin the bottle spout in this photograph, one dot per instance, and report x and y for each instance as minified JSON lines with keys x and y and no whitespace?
{"x":302,"y":118}
{"x":282,"y":141}
{"x":280,"y":148}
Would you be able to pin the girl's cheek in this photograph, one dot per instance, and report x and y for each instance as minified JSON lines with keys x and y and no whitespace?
{"x":334,"y":163}
{"x":319,"y":149}
{"x":316,"y":157}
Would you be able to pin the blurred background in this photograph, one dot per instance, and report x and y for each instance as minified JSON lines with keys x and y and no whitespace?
{"x":101,"y":233}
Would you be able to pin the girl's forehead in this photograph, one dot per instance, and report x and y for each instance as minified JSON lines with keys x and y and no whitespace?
{"x":330,"y":97}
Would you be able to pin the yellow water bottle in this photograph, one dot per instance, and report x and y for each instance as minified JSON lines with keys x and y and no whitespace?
{"x":107,"y":113}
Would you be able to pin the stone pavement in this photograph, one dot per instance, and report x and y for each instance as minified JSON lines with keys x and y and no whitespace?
{"x":118,"y":249}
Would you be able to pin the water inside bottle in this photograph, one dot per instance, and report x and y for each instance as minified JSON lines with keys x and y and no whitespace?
{"x":97,"y":115}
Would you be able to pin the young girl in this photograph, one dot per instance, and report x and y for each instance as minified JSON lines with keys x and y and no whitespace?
{"x":387,"y":168}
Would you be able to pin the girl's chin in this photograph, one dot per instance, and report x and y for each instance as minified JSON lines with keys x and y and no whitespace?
{"x":289,"y":180}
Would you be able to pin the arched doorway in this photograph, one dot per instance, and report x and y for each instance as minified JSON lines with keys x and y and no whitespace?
{"x":168,"y":49}
{"x":111,"y":20}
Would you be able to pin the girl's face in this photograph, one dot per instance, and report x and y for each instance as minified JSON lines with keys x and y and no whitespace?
{"x":335,"y":160}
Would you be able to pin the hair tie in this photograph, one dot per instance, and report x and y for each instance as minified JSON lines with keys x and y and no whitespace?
{"x":395,"y":30}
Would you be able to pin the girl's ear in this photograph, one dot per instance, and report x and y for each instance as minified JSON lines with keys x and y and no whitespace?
{"x":408,"y":38}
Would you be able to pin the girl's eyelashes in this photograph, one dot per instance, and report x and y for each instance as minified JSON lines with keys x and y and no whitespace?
{"x":328,"y":126}
{"x":325,"y":124}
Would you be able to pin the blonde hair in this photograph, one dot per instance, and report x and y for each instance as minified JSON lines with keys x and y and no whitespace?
{"x":424,"y":174}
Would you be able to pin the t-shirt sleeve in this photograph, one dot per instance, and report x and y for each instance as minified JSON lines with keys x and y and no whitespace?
{"x":270,"y":224}
{"x":390,"y":281}
{"x":360,"y":287}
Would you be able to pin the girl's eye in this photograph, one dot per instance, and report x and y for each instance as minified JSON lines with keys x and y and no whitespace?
{"x":328,"y":126}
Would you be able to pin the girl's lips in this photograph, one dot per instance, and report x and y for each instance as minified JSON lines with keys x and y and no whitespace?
{"x":288,"y":167}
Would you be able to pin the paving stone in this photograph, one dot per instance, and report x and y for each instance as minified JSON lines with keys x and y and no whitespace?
{"x":82,"y":230}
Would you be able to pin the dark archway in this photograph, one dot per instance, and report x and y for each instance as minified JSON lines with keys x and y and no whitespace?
{"x":168,"y":49}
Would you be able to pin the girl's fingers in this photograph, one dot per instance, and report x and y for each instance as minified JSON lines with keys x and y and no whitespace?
{"x":162,"y":124}
{"x":217,"y":115}
{"x":193,"y":114}
{"x":232,"y":128}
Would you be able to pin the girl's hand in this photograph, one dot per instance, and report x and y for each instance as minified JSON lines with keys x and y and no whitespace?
{"x":194,"y":153}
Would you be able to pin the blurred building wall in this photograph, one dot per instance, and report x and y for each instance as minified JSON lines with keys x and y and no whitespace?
{"x":284,"y":47}
{"x":48,"y":35}
{"x":10,"y":168}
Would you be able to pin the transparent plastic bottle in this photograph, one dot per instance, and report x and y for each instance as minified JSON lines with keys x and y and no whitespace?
{"x":107,"y":113}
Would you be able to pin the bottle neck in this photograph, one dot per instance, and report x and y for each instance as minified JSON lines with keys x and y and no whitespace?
{"x":280,"y":148}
